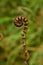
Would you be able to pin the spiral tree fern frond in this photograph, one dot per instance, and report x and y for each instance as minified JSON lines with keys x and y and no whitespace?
{"x":19,"y":21}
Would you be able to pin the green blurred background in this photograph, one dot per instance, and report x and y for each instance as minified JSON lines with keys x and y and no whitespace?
{"x":11,"y":52}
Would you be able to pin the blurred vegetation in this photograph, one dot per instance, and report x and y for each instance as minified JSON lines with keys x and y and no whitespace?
{"x":11,"y":52}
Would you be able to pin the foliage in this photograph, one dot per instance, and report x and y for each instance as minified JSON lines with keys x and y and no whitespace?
{"x":11,"y":52}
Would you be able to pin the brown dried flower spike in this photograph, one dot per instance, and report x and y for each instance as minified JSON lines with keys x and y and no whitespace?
{"x":1,"y":36}
{"x":19,"y":21}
